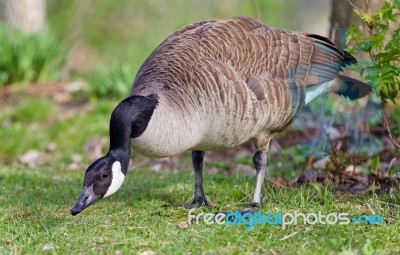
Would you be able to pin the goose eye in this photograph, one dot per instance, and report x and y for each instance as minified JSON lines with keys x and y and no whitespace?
{"x":105,"y":175}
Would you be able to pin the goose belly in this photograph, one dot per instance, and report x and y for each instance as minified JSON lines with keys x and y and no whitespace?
{"x":148,"y":146}
{"x":169,"y":134}
{"x":161,"y":142}
{"x":223,"y":136}
{"x":174,"y":137}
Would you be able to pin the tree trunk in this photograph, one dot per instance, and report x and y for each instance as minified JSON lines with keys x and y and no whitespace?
{"x":28,"y":16}
{"x":342,"y":16}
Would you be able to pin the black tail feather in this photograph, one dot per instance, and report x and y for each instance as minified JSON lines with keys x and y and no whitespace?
{"x":352,"y":88}
{"x":348,"y":59}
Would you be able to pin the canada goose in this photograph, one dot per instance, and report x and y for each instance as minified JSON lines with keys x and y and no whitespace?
{"x":211,"y":86}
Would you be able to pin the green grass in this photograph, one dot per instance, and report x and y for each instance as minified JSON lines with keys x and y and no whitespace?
{"x":23,"y":129}
{"x":33,"y":123}
{"x":35,"y":202}
{"x":114,"y":81}
{"x":35,"y":211}
{"x":32,"y":110}
{"x":29,"y":58}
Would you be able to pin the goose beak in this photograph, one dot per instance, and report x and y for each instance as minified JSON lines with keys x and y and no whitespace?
{"x":86,"y":198}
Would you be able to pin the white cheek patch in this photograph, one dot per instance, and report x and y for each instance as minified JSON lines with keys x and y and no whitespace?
{"x":117,"y":179}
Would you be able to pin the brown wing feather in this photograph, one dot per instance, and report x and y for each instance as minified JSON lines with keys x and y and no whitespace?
{"x":247,"y":46}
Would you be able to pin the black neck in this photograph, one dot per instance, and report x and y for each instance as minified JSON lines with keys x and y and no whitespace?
{"x":129,"y":120}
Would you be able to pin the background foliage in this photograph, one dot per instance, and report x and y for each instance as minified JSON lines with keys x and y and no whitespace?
{"x":50,"y":131}
{"x":29,"y":58}
{"x":378,"y":34}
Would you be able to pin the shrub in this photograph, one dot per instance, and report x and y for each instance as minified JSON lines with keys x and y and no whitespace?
{"x":29,"y":58}
{"x":383,"y":71}
{"x":374,"y":35}
{"x":110,"y":82}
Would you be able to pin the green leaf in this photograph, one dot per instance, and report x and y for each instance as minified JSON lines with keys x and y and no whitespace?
{"x":368,"y":18}
{"x":358,"y":13}
{"x":396,"y":4}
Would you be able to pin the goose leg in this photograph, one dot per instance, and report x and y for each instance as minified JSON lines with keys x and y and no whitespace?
{"x":260,"y":162}
{"x":199,"y":197}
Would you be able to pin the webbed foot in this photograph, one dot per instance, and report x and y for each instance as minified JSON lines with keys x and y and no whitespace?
{"x":197,"y":202}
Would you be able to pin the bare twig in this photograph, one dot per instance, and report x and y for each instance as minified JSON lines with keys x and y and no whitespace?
{"x":393,"y":139}
{"x":355,"y":7}
{"x":391,"y":163}
{"x":244,"y":192}
{"x":369,"y":207}
{"x":333,"y":32}
{"x":390,"y":204}
{"x":368,"y":6}
{"x":273,"y":252}
{"x":336,"y":164}
{"x":289,"y":236}
{"x":371,"y":55}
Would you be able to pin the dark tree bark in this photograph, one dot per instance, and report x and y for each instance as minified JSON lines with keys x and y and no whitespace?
{"x":342,"y":16}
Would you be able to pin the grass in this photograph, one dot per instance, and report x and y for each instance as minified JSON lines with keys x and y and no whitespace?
{"x":114,"y":81}
{"x":35,"y":122}
{"x":21,"y":125}
{"x":35,"y":202}
{"x":35,"y":212}
{"x":29,"y":58}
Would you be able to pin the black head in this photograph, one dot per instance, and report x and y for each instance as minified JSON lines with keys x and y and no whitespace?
{"x":106,"y":175}
{"x":102,"y":178}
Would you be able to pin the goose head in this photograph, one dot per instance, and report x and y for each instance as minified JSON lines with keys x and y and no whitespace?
{"x":102,"y":179}
{"x":106,"y":175}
